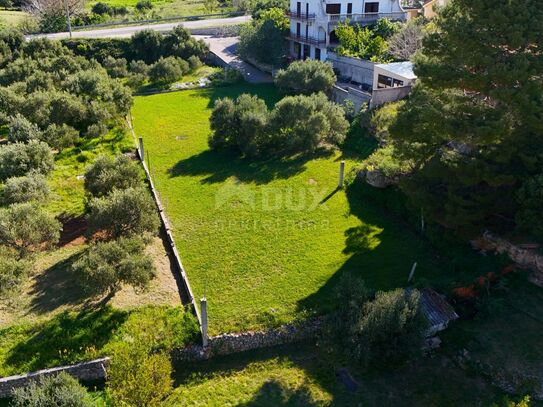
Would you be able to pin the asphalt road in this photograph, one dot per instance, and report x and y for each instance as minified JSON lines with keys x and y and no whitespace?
{"x":123,"y":32}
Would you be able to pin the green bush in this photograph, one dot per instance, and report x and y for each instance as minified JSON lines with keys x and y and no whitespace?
{"x":194,"y":63}
{"x":309,"y":76}
{"x":26,"y":228}
{"x":107,"y":174}
{"x":60,"y":390}
{"x":60,"y":136}
{"x":31,"y":187}
{"x":12,"y":272}
{"x":138,"y":67}
{"x":105,"y":266}
{"x":22,"y":130}
{"x":17,"y":159}
{"x":144,"y":5}
{"x":115,"y":67}
{"x":137,"y":377}
{"x":168,"y":70}
{"x":123,"y":212}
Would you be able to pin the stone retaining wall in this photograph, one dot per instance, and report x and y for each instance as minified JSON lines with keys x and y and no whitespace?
{"x":226,"y":344}
{"x":86,"y":371}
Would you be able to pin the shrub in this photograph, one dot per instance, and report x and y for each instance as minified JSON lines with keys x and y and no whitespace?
{"x":25,"y":227}
{"x":96,"y":130}
{"x":102,"y":8}
{"x":389,"y":329}
{"x":144,"y":5}
{"x":264,"y":40}
{"x":18,"y":159}
{"x":179,"y":43}
{"x":107,"y":174}
{"x":194,"y":63}
{"x":60,"y":136}
{"x":306,"y":77}
{"x":105,"y":266}
{"x":138,"y":67}
{"x":31,"y":187}
{"x":58,"y":390}
{"x":146,"y":45}
{"x":115,"y":67}
{"x":303,"y":123}
{"x":240,"y":124}
{"x":168,"y":70}
{"x":12,"y":272}
{"x":22,"y":130}
{"x":136,"y":81}
{"x":137,"y":377}
{"x":123,"y":212}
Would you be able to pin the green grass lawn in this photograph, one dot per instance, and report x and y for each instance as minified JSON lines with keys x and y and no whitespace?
{"x":298,"y":376}
{"x":12,"y":17}
{"x":169,"y":8}
{"x":267,"y":240}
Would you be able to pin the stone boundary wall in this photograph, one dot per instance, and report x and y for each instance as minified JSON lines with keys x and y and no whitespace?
{"x":186,"y":294}
{"x":227,"y":344}
{"x":86,"y":371}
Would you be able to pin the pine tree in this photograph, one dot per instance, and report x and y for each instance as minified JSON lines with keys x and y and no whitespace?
{"x":474,"y":122}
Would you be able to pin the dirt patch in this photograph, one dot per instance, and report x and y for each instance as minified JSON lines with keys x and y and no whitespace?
{"x":163,"y":289}
{"x":73,"y":232}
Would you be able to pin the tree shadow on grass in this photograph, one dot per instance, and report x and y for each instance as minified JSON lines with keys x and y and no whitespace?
{"x":57,"y":286}
{"x":273,"y":393}
{"x":266,"y":91}
{"x":66,"y":338}
{"x":218,"y":166}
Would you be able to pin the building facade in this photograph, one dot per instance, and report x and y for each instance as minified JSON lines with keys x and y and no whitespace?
{"x":312,"y":22}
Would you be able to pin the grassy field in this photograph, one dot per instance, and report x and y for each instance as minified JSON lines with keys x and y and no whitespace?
{"x":12,"y":17}
{"x":50,"y":320}
{"x":267,"y":241}
{"x":298,"y":376}
{"x":169,"y":8}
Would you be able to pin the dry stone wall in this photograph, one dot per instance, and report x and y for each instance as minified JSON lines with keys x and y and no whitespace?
{"x":86,"y":371}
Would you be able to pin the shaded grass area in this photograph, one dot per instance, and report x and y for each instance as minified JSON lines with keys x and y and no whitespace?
{"x":268,"y":240}
{"x":299,"y":376}
{"x":71,"y":337}
{"x":66,"y":180}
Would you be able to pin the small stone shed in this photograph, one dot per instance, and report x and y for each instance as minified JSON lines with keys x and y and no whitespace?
{"x":437,"y":311}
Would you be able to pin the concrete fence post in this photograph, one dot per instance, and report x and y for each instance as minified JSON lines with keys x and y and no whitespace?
{"x":203,"y":310}
{"x":142,"y":154}
{"x":341,"y":174}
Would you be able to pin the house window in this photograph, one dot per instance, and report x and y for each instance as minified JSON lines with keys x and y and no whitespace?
{"x":388,"y":82}
{"x":318,"y":54}
{"x":298,"y":29}
{"x":349,"y":8}
{"x":333,"y":8}
{"x":372,"y":7}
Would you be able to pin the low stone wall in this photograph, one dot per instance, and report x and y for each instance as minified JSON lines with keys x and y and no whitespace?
{"x":86,"y":371}
{"x":226,"y":344}
{"x":525,"y":258}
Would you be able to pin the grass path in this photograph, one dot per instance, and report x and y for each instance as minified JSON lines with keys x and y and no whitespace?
{"x":255,"y":235}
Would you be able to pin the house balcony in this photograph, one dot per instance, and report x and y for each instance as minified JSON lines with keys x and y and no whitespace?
{"x":294,"y":15}
{"x":304,"y":39}
{"x":365,"y":19}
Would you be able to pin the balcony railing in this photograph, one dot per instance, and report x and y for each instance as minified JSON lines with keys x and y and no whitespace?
{"x":306,"y":39}
{"x":301,"y":16}
{"x":366,"y":18}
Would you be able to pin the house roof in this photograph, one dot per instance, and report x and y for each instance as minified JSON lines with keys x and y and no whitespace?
{"x":434,"y":307}
{"x":404,"y":69}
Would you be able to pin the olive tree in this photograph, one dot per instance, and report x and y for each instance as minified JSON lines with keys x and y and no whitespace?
{"x":25,"y":227}
{"x":55,"y":391}
{"x":12,"y":272}
{"x":309,"y":76}
{"x":18,"y":159}
{"x":22,"y":130}
{"x":105,"y":266}
{"x":107,"y":174}
{"x":168,"y":70}
{"x":31,"y":187}
{"x":123,"y":212}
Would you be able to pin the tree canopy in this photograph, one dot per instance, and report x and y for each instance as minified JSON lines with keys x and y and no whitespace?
{"x":473,"y":123}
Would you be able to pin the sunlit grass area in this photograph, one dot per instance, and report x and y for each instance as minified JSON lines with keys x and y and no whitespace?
{"x":266,"y":240}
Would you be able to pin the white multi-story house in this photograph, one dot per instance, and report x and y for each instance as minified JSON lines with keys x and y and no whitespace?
{"x":312,"y":22}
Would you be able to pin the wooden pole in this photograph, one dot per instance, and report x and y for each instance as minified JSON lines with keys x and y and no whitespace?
{"x":341,"y":174}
